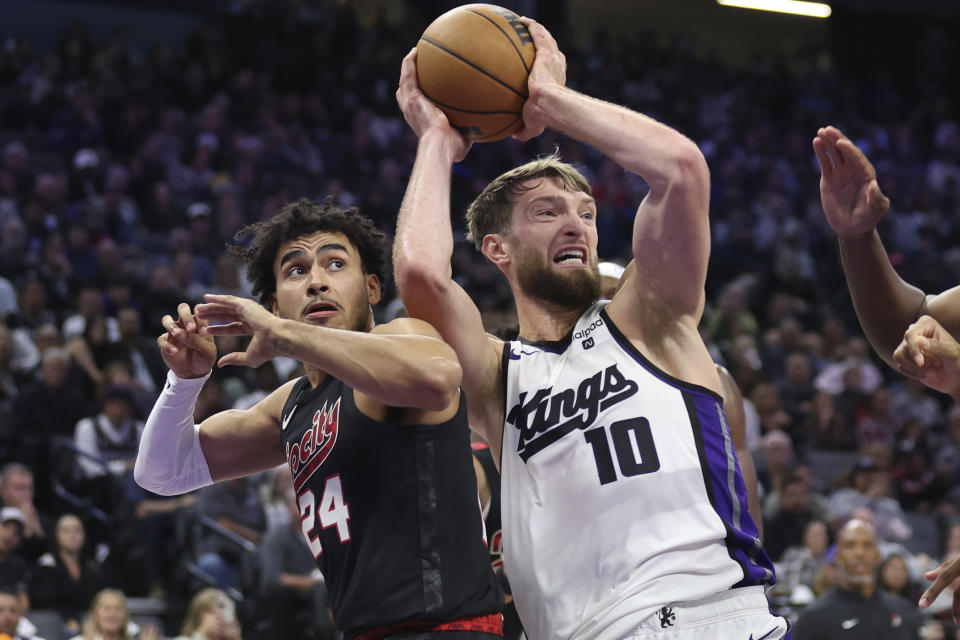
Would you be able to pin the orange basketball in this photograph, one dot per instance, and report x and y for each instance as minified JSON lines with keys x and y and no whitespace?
{"x":473,"y":62}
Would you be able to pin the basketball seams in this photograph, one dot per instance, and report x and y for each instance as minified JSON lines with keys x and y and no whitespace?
{"x":457,"y":56}
{"x":497,"y":133}
{"x":505,"y":35}
{"x":458,"y":109}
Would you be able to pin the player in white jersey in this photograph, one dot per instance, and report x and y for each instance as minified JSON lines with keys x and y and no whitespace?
{"x":625,"y":513}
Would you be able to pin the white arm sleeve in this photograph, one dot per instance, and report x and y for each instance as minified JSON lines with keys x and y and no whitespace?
{"x":170,"y":461}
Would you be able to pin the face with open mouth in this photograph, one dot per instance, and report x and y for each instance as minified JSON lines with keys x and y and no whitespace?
{"x":320,"y":280}
{"x":555,"y":244}
{"x":320,"y":310}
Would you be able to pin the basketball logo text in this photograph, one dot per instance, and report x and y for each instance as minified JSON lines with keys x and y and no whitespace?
{"x":306,"y":456}
{"x":539,"y":418}
{"x":514,"y":21}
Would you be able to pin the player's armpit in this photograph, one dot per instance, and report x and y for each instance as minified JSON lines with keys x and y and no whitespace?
{"x":239,"y":443}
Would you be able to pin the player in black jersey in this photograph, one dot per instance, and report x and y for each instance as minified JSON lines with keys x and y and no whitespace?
{"x":375,"y":434}
{"x":488,"y":485}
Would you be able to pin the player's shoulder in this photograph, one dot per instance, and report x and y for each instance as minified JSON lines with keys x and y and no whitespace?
{"x":272,"y":405}
{"x":411,"y":326}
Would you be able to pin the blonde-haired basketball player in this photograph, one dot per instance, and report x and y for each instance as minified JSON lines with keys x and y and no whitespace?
{"x":624,"y":510}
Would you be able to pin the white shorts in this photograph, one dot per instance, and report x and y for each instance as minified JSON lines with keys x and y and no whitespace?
{"x":738,"y":614}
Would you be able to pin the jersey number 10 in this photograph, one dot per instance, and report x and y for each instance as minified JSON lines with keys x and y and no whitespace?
{"x":633,"y":443}
{"x":333,"y":511}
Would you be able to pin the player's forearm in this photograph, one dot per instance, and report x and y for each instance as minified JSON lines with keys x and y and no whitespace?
{"x":170,"y":460}
{"x":662,"y":156}
{"x":424,"y":242}
{"x":885,"y":304}
{"x":402,"y":370}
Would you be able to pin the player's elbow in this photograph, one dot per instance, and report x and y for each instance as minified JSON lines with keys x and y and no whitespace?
{"x":440,"y":384}
{"x":417,"y":279}
{"x":690,"y":168}
{"x":162,"y":483}
{"x":149,"y":481}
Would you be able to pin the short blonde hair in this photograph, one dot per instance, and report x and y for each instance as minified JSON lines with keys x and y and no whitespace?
{"x":91,"y":626}
{"x":491,"y":210}
{"x":203,"y":601}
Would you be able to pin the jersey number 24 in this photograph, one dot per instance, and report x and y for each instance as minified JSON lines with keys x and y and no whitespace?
{"x":332,"y":511}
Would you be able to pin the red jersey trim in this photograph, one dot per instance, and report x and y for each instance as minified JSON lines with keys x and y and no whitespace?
{"x":491,"y":623}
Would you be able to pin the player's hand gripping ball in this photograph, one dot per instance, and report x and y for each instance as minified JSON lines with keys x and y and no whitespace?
{"x":473,"y":63}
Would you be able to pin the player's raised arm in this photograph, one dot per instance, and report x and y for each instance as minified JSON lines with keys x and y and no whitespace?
{"x":424,"y":246}
{"x":404,"y":363}
{"x":176,"y":455}
{"x":671,"y":238}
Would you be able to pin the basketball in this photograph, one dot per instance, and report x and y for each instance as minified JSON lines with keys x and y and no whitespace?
{"x":473,"y":63}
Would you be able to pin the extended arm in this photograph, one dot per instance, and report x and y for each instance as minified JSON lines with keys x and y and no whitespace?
{"x":404,"y":363}
{"x":422,"y":253}
{"x":853,"y":204}
{"x":176,"y":456}
{"x":671,"y":236}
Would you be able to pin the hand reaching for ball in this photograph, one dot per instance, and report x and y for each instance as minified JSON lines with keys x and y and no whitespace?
{"x":549,"y":70}
{"x":421,"y":114}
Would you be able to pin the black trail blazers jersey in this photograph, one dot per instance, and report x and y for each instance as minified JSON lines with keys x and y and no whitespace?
{"x":389,"y":511}
{"x":512,"y":627}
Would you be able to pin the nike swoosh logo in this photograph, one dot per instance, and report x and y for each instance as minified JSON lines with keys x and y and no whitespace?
{"x":285,"y":421}
{"x":766,"y":635}
{"x":849,"y":624}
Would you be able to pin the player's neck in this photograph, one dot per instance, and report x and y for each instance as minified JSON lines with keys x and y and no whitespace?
{"x":315,"y":376}
{"x":541,"y":320}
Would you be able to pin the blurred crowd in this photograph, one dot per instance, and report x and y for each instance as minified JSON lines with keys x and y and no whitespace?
{"x":124,"y":172}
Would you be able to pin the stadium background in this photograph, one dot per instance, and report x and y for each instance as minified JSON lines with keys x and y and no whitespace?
{"x":138,"y":136}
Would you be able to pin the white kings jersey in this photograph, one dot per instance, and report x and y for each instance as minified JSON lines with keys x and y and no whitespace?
{"x":621,"y":493}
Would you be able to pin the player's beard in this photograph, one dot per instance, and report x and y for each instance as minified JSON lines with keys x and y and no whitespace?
{"x":570,"y":289}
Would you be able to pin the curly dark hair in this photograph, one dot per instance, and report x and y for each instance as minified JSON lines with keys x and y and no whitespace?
{"x":299,"y":218}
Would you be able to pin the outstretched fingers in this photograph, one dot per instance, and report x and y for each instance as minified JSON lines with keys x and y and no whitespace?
{"x":229,"y":329}
{"x":237,"y":359}
{"x":943,"y":576}
{"x":823,"y":158}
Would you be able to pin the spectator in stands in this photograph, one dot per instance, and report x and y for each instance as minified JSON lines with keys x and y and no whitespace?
{"x":46,"y":409}
{"x":17,"y":490}
{"x":11,"y":612}
{"x":146,"y":365}
{"x":293,"y":597}
{"x":857,"y":608}
{"x":799,"y":565}
{"x":14,"y":571}
{"x":211,"y":615}
{"x":871,"y":489}
{"x":147,"y":548}
{"x":236,"y":505}
{"x":111,"y":436}
{"x":66,"y":579}
{"x":787,"y":528}
{"x":894,"y":577}
{"x":93,"y":350}
{"x":825,"y":428}
{"x":8,"y":381}
{"x":775,"y":462}
{"x":796,"y":393}
{"x":109,"y":619}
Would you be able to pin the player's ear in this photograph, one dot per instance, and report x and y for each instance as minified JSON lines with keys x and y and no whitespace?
{"x":496,"y":248}
{"x":272,"y":304}
{"x":372,"y":282}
